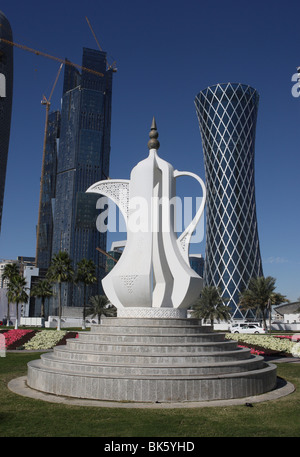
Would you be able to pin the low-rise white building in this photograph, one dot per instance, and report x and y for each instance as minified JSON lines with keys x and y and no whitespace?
{"x":287,"y":317}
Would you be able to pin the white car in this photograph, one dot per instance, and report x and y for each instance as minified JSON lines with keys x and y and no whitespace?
{"x":247,"y":328}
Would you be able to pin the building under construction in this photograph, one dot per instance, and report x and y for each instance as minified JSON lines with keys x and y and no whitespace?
{"x":76,"y":155}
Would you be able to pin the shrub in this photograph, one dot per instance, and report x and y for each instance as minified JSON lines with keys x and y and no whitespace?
{"x":16,"y":337}
{"x":268,"y":343}
{"x":46,"y":339}
{"x":296,"y":350}
{"x":294,"y":338}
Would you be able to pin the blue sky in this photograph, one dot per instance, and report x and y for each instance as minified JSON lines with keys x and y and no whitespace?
{"x":166,"y":52}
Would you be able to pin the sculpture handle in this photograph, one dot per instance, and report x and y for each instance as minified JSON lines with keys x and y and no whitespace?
{"x":184,"y":240}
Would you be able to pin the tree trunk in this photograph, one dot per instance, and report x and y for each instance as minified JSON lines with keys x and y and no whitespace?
{"x":270,"y":309}
{"x":8,"y":316}
{"x":48,"y":307}
{"x":17,"y":314}
{"x":83,"y":311}
{"x":59,"y":306}
{"x":264,"y":319}
{"x":43,"y":308}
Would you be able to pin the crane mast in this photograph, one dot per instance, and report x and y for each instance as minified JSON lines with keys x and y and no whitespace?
{"x":47,"y":103}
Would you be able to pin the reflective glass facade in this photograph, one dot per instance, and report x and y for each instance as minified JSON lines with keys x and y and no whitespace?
{"x":227,"y":116}
{"x":6,"y":69}
{"x":83,"y":159}
{"x":197,"y":264}
{"x":45,"y":227}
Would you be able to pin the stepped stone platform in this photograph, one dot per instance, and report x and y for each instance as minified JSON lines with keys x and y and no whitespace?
{"x":151,"y":360}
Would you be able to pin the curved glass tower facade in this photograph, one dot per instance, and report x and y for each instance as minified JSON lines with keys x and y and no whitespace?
{"x":227,"y":116}
{"x":6,"y":69}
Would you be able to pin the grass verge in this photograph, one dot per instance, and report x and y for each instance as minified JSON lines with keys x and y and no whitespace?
{"x":25,"y":417}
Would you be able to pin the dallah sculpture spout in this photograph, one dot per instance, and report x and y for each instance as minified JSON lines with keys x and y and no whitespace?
{"x":153,"y":276}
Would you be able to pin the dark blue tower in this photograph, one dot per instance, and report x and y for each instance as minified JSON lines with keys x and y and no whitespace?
{"x":6,"y":71}
{"x":227,"y":116}
{"x":83,"y":159}
{"x":48,"y":185}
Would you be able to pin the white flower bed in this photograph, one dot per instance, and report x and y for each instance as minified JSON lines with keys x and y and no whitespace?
{"x":267,"y":342}
{"x":46,"y":339}
{"x":296,"y":350}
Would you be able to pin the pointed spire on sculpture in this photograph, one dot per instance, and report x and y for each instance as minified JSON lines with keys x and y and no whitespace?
{"x":153,"y":143}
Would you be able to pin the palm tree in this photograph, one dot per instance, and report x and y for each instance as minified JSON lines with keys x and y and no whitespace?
{"x":260,"y":296}
{"x":18,"y":295}
{"x":210,"y":305}
{"x":60,"y":271}
{"x":100,"y":306}
{"x":86,"y":274}
{"x":43,"y":290}
{"x":10,"y":271}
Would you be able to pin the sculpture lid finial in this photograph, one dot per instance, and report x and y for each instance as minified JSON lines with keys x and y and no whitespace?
{"x":153,"y":143}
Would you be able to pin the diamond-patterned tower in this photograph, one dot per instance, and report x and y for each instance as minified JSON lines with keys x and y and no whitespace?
{"x":227,"y":116}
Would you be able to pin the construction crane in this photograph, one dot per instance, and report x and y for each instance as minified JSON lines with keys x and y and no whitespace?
{"x":109,"y":67}
{"x":47,"y":103}
{"x":44,"y":100}
{"x":91,"y":28}
{"x":58,"y":59}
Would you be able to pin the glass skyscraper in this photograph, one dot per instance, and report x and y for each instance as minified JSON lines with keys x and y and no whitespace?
{"x":83,"y":159}
{"x":6,"y":69}
{"x":45,"y":226}
{"x":227,"y":115}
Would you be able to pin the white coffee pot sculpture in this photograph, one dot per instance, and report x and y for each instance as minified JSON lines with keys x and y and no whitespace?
{"x":153,"y":277}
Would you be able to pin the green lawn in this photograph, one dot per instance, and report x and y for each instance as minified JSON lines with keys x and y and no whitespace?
{"x":25,"y":417}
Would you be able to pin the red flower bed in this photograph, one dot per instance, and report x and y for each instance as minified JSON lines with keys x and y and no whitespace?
{"x":294,"y":338}
{"x":253,"y":350}
{"x":67,"y":336}
{"x":257,"y":350}
{"x":17,"y":337}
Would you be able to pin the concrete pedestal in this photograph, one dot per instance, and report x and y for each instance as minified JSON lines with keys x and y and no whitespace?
{"x":151,"y":360}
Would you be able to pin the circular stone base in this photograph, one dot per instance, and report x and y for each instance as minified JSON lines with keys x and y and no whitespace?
{"x":158,"y":313}
{"x":19,"y":386}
